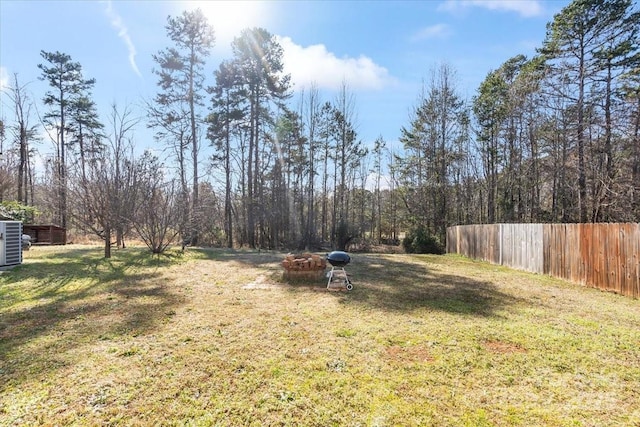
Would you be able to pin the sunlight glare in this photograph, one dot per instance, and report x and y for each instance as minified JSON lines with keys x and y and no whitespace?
{"x":229,"y":18}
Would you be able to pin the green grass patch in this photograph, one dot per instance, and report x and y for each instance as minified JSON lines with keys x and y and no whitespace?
{"x":421,"y":340}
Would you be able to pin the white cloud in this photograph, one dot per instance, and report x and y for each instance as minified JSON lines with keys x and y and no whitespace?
{"x":123,"y":33}
{"x":315,"y":64}
{"x":438,"y":31}
{"x":4,"y":78}
{"x":385,"y":182}
{"x":526,"y":8}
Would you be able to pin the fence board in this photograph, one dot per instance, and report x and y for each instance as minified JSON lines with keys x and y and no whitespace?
{"x":522,"y":246}
{"x":563,"y":256}
{"x":603,"y":256}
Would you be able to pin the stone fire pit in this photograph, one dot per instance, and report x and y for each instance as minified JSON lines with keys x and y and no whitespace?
{"x":304,"y":266}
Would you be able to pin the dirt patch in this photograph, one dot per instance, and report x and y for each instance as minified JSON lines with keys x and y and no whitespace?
{"x":413,"y":354}
{"x":501,"y":347}
{"x":262,"y":282}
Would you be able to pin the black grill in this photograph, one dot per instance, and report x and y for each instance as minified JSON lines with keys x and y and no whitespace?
{"x":338,"y":258}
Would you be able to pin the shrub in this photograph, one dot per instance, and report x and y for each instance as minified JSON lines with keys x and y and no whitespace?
{"x":420,"y":241}
{"x":18,"y":211}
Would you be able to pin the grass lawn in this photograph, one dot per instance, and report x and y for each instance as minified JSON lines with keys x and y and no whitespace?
{"x":213,"y":337}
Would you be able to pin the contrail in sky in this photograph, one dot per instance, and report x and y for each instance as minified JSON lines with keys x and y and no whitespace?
{"x":118,"y":24}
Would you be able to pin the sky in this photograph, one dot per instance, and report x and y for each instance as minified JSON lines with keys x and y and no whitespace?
{"x":383,"y":50}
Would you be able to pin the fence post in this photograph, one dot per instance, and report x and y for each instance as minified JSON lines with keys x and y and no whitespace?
{"x":500,"y":245}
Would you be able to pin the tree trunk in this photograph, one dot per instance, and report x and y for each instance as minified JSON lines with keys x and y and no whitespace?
{"x":107,"y":242}
{"x":194,"y":220}
{"x":582,"y":181}
{"x":63,"y":167}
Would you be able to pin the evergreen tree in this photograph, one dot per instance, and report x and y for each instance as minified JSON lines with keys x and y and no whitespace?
{"x":86,"y":126}
{"x":435,"y":129}
{"x":259,"y":58}
{"x":226,"y":120}
{"x":67,"y":85}
{"x":490,"y":107}
{"x":181,"y":80}
{"x":577,"y":43}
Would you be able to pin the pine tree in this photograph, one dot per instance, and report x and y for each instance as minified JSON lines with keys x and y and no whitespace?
{"x":577,"y":43}
{"x":259,"y":58}
{"x":67,"y":85}
{"x":226,"y":121}
{"x":176,"y":109}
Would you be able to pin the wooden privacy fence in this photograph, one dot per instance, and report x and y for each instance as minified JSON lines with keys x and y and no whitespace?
{"x":603,"y":256}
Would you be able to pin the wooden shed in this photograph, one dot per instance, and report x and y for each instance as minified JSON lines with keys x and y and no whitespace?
{"x":46,"y":234}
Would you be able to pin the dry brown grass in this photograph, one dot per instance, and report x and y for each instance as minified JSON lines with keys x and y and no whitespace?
{"x":214,"y":337}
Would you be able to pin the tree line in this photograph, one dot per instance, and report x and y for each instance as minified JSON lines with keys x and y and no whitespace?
{"x":552,"y":138}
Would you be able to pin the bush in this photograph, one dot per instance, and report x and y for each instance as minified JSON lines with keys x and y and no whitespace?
{"x":18,"y":211}
{"x":419,"y":241}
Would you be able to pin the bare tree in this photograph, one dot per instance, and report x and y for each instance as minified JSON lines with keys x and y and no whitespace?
{"x":105,"y":190}
{"x":158,"y":212}
{"x":24,"y":133}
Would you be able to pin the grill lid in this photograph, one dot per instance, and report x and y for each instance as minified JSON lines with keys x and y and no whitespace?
{"x":338,"y":258}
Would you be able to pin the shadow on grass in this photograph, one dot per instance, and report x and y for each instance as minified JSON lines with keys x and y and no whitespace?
{"x":389,"y":282}
{"x":58,"y":302}
{"x":253,"y":258}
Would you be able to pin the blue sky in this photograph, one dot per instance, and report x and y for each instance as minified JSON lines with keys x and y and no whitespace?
{"x":384,"y":50}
